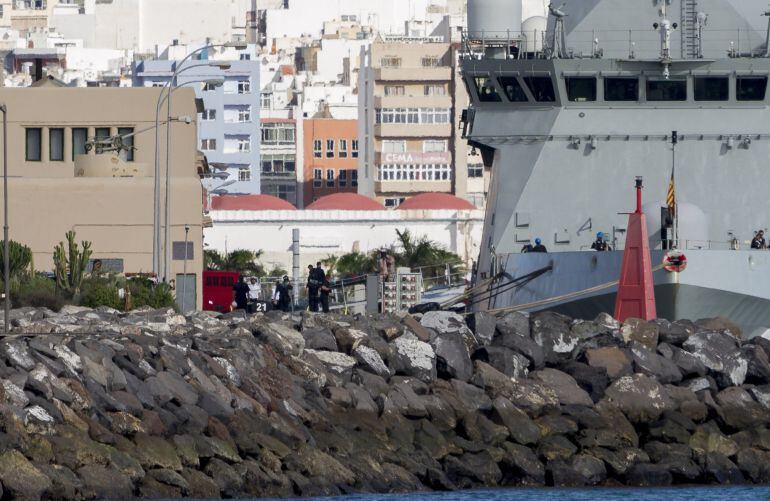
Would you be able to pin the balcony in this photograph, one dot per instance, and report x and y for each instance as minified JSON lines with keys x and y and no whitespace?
{"x":413,"y":102}
{"x":442,"y":73}
{"x":109,"y":166}
{"x":413,"y":130}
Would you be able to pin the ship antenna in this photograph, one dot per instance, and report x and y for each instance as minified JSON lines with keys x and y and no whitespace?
{"x":767,"y":39}
{"x":558,"y":41}
{"x":665,"y":27}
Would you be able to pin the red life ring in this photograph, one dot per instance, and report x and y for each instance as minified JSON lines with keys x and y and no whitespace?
{"x":674,"y":261}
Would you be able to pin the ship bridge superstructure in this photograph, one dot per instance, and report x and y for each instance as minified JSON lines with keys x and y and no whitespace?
{"x":567,"y":126}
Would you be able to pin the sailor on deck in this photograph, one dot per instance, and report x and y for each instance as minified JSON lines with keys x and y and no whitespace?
{"x":599,"y":244}
{"x":758,"y":242}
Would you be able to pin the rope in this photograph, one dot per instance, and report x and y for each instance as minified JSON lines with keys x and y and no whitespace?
{"x":563,"y":297}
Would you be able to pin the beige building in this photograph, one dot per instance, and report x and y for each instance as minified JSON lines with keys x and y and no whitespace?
{"x":410,"y":100}
{"x":59,"y":182}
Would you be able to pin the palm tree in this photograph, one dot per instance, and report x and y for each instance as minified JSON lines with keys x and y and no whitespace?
{"x":330,"y":262}
{"x":424,"y":253}
{"x":356,"y":263}
{"x":241,"y":261}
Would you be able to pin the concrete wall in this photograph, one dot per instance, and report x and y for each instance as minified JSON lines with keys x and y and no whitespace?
{"x":115,"y":213}
{"x":320,"y":235}
{"x":225,"y":101}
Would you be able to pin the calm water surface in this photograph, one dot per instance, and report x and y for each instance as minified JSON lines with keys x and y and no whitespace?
{"x":669,"y":494}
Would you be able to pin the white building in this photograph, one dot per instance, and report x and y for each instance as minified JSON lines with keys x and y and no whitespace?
{"x":264,"y":224}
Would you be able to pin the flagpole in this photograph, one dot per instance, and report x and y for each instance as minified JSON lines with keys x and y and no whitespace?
{"x":674,"y":141}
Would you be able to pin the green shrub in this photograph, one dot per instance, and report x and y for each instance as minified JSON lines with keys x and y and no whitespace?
{"x":145,"y":292}
{"x":101,"y":291}
{"x":19,"y":259}
{"x":37,"y":291}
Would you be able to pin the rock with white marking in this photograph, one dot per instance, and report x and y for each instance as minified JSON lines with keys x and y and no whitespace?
{"x":412,"y":357}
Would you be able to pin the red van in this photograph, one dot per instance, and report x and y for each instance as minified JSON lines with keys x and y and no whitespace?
{"x":218,"y":290}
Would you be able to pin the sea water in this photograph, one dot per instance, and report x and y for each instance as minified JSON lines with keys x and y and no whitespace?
{"x":623,"y":494}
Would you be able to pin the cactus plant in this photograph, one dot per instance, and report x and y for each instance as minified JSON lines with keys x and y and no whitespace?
{"x":19,"y":257}
{"x":70,"y":264}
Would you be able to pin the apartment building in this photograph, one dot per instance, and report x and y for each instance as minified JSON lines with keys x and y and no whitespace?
{"x":60,"y":179}
{"x":228,"y":124}
{"x":406,"y":116}
{"x":279,"y":152}
{"x":331,"y":158}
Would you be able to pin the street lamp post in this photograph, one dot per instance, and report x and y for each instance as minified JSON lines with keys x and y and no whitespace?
{"x":6,"y":241}
{"x":179,"y":68}
{"x":164,"y":95}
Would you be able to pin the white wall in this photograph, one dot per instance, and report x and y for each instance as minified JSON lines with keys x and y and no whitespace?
{"x":320,"y":235}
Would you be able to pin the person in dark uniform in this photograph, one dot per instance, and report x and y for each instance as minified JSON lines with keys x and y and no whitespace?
{"x":539,"y":247}
{"x":313,"y":286}
{"x":599,"y":244}
{"x":526,"y":248}
{"x":284,"y":294}
{"x":758,"y":242}
{"x":326,"y":289}
{"x":241,"y":293}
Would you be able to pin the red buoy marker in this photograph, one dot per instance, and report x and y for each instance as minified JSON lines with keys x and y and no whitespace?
{"x":636,"y":290}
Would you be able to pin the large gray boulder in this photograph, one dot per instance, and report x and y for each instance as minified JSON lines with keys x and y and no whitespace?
{"x":739,"y":411}
{"x":369,"y":360}
{"x":721,"y":354}
{"x":452,"y":357}
{"x":654,"y":365}
{"x":553,"y":333}
{"x":504,"y":359}
{"x":639,"y":397}
{"x":566,"y":388}
{"x":614,"y":360}
{"x":412,"y":357}
{"x":282,"y":339}
{"x":646,"y":333}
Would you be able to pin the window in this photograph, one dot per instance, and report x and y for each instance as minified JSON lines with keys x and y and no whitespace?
{"x":343,"y":149}
{"x":209,"y":115}
{"x":330,"y":178}
{"x":712,"y":88}
{"x":209,"y":87}
{"x":33,"y":144}
{"x":513,"y":89}
{"x":244,"y":114}
{"x":435,"y":90}
{"x":266,"y":101}
{"x":394,"y":90}
{"x":245,"y":57}
{"x":433,"y":145}
{"x":475,"y":171}
{"x":208,"y":144}
{"x":414,"y":172}
{"x":286,"y":192}
{"x":343,"y":178}
{"x":244,"y":144}
{"x":278,"y":133}
{"x":102,"y":134}
{"x":317,"y":181}
{"x":621,"y":89}
{"x":486,"y":90}
{"x":581,"y":89}
{"x":330,"y":148}
{"x":127,"y":153}
{"x":317,"y":148}
{"x":79,"y":140}
{"x":391,"y":146}
{"x":751,"y":88}
{"x":158,"y":84}
{"x":279,"y":165}
{"x":398,"y":115}
{"x":56,"y":144}
{"x":431,"y":62}
{"x":244,"y":174}
{"x":541,"y":88}
{"x":244,"y":86}
{"x":666,"y":90}
{"x":354,"y":178}
{"x":390,"y":62}
{"x":434,"y":116}
{"x":354,"y":148}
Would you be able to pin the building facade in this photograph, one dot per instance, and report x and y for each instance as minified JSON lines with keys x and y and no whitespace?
{"x":405,"y":120}
{"x":280,"y":149}
{"x":331,"y":158}
{"x":59,"y":180}
{"x":228,"y":127}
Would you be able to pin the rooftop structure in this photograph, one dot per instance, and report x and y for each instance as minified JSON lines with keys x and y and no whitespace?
{"x":345,"y":202}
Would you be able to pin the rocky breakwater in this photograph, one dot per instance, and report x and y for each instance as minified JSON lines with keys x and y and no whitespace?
{"x":98,"y":404}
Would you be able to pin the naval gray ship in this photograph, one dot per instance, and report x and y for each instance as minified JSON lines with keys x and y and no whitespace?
{"x":568,"y":111}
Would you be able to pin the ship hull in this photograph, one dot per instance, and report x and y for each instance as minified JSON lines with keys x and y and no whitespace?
{"x":732,"y":284}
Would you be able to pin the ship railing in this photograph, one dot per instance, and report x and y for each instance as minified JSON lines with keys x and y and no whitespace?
{"x":631,"y":44}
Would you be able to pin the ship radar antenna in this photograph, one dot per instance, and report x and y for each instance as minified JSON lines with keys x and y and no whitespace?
{"x":767,"y":38}
{"x":665,"y":27}
{"x":558,"y":41}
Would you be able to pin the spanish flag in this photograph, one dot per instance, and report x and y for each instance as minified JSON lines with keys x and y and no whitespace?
{"x":671,"y":196}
